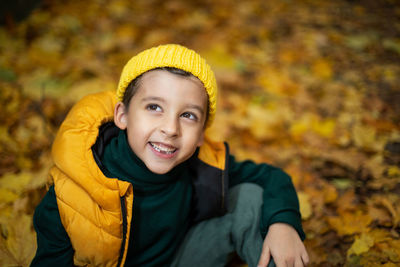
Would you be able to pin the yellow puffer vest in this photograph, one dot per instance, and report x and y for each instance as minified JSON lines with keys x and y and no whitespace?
{"x":89,"y":203}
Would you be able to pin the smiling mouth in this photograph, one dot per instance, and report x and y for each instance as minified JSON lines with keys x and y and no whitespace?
{"x":162,"y":148}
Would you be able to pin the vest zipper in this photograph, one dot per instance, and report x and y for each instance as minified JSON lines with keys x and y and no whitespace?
{"x":223,"y":192}
{"x":124,"y":229}
{"x":225,"y":181}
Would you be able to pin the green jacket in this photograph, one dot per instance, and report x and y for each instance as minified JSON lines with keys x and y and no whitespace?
{"x":83,"y":199}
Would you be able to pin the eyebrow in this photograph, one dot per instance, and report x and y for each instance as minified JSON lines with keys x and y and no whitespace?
{"x":156,"y":98}
{"x":200,"y":109}
{"x":152,"y":98}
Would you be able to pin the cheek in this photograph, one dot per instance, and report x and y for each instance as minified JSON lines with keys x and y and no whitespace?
{"x":195,"y":138}
{"x":136,"y":130}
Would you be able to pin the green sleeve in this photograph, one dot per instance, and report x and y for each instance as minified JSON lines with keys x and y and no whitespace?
{"x":53,"y":244}
{"x":280,"y":202}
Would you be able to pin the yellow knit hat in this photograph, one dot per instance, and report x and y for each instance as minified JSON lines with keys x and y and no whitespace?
{"x":176,"y":56}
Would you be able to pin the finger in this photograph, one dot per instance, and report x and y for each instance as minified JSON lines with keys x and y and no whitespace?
{"x":291,"y":261}
{"x":264,"y":258}
{"x":305,"y":258}
{"x":280,"y":262}
{"x":298,"y":263}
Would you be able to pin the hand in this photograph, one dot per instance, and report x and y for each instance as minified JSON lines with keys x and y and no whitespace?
{"x":285,"y":246}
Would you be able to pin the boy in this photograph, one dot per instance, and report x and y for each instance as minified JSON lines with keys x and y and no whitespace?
{"x":137,"y":182}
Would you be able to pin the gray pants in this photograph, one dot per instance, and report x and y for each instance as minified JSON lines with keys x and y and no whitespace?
{"x":211,"y":242}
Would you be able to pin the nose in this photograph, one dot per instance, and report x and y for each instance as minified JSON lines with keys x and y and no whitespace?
{"x":170,"y":126}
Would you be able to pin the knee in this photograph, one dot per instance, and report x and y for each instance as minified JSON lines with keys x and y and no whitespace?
{"x":245,"y":197}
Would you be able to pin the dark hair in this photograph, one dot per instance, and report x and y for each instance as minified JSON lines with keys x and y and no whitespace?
{"x":133,"y":86}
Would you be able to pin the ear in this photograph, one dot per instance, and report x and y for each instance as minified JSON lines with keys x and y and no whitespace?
{"x":120,"y":116}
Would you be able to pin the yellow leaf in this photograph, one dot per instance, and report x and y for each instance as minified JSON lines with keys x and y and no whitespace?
{"x":18,"y":243}
{"x":330,"y":194}
{"x":312,"y":122}
{"x":302,"y":125}
{"x":41,"y":177}
{"x":361,"y":244}
{"x":298,"y":128}
{"x":391,"y":249}
{"x":363,"y":136}
{"x":265,"y":122}
{"x":305,"y":206}
{"x":393,"y":171}
{"x":85,"y":87}
{"x":46,"y":50}
{"x":325,"y":128}
{"x":15,"y":182}
{"x":220,"y":127}
{"x":353,"y":104}
{"x":376,"y":166}
{"x":7,"y":196}
{"x":118,"y":9}
{"x":322,"y":68}
{"x":380,"y":235}
{"x":219,"y":58}
{"x":350,"y":223}
{"x":277,"y":82}
{"x":24,"y":163}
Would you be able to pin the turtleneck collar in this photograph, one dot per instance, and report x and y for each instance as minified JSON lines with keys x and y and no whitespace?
{"x":121,"y":162}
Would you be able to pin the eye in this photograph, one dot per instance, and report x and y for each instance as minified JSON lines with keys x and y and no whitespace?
{"x":153,"y":107}
{"x":190,"y":116}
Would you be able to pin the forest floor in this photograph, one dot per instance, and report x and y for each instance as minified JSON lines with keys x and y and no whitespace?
{"x":310,"y":86}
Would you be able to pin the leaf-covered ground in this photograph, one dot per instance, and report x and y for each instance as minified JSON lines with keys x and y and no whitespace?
{"x":310,"y":86}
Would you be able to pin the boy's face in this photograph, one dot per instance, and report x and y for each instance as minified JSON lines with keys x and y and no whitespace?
{"x":165,"y":119}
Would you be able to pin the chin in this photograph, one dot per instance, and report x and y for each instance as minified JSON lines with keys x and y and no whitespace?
{"x":159,"y":170}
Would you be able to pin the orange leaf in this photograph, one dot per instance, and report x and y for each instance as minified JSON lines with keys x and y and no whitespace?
{"x":350,"y":223}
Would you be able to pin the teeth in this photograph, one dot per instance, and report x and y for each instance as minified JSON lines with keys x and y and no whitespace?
{"x":162,"y":149}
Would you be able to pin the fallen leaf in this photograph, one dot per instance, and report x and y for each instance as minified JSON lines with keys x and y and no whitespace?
{"x":361,"y":244}
{"x":305,"y":206}
{"x":18,"y":242}
{"x":15,"y":182}
{"x":330,"y":193}
{"x":350,"y":223}
{"x":322,"y":68}
{"x":7,"y":196}
{"x":219,"y":58}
